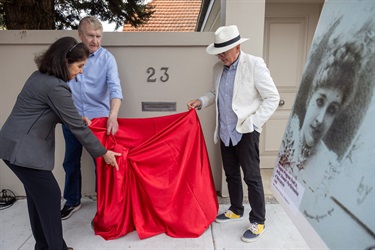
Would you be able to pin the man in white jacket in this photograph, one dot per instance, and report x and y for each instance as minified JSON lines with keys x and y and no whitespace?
{"x":245,"y":97}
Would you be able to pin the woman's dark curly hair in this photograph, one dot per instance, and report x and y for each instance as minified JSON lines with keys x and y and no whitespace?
{"x":64,"y":51}
{"x":339,"y":70}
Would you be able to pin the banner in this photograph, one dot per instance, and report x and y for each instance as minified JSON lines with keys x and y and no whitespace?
{"x":164,"y":183}
{"x":325,"y":170}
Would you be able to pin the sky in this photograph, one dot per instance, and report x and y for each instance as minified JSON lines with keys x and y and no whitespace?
{"x":110,"y":27}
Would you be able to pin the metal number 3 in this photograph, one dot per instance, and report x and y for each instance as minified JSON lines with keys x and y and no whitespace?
{"x":163,"y":78}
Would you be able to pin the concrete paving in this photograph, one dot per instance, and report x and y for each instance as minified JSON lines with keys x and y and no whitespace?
{"x":15,"y":232}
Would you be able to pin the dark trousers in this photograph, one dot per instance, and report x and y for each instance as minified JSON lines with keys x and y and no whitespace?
{"x":72,"y":167}
{"x":245,"y":155}
{"x":43,"y":203}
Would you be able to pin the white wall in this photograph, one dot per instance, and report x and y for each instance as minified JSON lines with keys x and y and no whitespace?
{"x":189,"y":72}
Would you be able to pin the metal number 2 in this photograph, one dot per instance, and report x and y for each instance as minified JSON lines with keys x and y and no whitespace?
{"x":151,"y":71}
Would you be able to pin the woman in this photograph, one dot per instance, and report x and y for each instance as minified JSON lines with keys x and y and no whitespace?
{"x":311,"y":164}
{"x":305,"y":154}
{"x":28,"y":136}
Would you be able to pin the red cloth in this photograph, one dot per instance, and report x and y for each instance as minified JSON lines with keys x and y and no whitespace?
{"x":164,"y":183}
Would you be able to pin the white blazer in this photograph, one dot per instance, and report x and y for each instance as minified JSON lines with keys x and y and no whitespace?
{"x":255,"y":96}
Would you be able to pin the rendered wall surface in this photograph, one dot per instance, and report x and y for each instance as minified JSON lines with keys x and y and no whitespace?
{"x":153,"y":67}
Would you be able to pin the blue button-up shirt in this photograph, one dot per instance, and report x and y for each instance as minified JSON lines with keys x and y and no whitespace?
{"x":99,"y":83}
{"x":227,"y":117}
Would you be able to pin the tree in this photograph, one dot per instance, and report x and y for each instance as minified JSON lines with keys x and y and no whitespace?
{"x":65,"y":14}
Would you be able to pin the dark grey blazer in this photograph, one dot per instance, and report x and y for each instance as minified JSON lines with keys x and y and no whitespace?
{"x":27,"y":137}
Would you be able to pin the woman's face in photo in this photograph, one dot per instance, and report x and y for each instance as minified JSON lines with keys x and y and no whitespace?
{"x":76,"y":68}
{"x":321,"y":111}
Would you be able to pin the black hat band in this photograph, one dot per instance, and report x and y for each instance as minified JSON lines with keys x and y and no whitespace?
{"x":220,"y":45}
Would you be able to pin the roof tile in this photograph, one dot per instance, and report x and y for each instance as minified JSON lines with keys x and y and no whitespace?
{"x":170,"y":16}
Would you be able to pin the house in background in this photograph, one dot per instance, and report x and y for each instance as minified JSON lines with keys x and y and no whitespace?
{"x":280,"y":31}
{"x":170,"y":16}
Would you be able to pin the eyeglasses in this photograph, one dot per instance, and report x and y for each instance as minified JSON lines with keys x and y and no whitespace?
{"x":222,"y":54}
{"x":225,"y":53}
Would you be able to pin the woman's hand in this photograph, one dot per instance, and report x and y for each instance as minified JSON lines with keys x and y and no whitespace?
{"x":110,"y":158}
{"x":86,"y":120}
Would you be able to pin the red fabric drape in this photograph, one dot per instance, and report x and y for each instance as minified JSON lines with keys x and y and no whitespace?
{"x":164,"y":183}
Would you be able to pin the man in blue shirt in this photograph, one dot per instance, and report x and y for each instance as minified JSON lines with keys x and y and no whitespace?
{"x":96,"y":93}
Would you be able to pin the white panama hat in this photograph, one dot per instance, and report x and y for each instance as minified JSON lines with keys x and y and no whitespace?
{"x":226,"y":37}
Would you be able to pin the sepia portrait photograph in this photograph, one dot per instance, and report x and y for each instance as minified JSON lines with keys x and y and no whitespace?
{"x":325,"y":169}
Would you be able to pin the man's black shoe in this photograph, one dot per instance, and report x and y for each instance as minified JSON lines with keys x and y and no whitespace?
{"x":67,"y":211}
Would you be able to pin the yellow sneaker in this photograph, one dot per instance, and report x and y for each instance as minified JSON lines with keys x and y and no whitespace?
{"x":228,"y":216}
{"x":253,"y":232}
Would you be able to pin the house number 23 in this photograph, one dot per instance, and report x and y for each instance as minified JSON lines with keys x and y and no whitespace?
{"x":152,"y":77}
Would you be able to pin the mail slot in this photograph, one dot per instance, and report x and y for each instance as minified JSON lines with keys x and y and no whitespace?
{"x":158,"y":106}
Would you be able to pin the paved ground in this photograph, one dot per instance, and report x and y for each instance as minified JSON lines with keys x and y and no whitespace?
{"x":15,"y":232}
